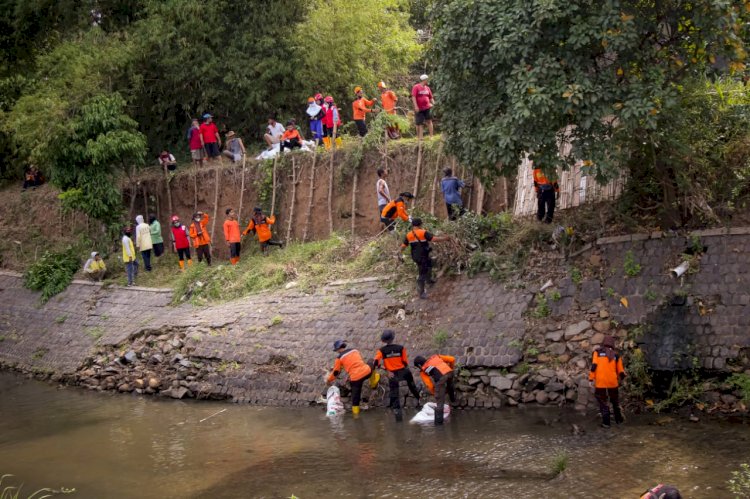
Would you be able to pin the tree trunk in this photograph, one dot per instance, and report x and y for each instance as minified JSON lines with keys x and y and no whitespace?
{"x":145,"y":201}
{"x":311,"y":197}
{"x":480,"y":197}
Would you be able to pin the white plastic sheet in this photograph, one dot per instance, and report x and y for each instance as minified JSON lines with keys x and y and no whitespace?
{"x":334,"y":405}
{"x":427,"y":414}
{"x":307,"y":146}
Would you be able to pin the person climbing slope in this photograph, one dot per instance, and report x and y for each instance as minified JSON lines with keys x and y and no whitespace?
{"x":261,"y":224}
{"x":181,"y":242}
{"x":418,"y":240}
{"x":232,"y":235}
{"x":437,"y":375}
{"x":396,"y":208}
{"x":396,"y":363}
{"x":350,"y":360}
{"x":605,"y":376}
{"x":200,"y":236}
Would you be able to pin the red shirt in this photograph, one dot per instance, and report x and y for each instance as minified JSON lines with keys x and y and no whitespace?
{"x":209,"y":132}
{"x":195,"y":139}
{"x":180,"y":237}
{"x":423,"y":95}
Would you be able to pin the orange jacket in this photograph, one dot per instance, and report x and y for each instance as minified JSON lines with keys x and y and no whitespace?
{"x":444,"y":364}
{"x":360,"y":109}
{"x":291,"y":134}
{"x":262,"y":229}
{"x":389,"y":100}
{"x":393,"y":357}
{"x":395,"y":209}
{"x":606,"y":373}
{"x":351,"y":361}
{"x":204,"y":238}
{"x":232,"y":231}
{"x":540,"y":181}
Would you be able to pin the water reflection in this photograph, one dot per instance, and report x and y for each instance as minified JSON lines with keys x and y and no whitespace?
{"x":114,"y":446}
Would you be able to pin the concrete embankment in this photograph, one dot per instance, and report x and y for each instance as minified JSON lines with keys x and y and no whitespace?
{"x":273,"y":348}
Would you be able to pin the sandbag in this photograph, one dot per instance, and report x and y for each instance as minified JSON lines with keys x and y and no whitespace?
{"x":427,"y":414}
{"x":334,"y":405}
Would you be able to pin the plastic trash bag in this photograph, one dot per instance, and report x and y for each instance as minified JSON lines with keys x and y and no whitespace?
{"x":427,"y":414}
{"x":334,"y":405}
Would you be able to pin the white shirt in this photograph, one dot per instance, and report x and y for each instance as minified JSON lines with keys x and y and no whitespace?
{"x":382,"y":200}
{"x":276,"y":131}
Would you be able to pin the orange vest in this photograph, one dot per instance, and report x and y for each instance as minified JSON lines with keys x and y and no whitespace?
{"x":231,"y":231}
{"x":204,"y":238}
{"x":605,"y":373}
{"x":393,"y":357}
{"x":360,"y":109}
{"x":389,"y":99}
{"x":262,"y":229}
{"x":541,"y":182}
{"x":395,"y":209}
{"x":443,"y":363}
{"x":351,"y":361}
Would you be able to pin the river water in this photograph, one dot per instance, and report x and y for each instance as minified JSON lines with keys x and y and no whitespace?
{"x":122,"y":446}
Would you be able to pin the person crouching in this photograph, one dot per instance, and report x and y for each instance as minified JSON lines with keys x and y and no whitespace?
{"x":437,"y":375}
{"x":358,"y":370}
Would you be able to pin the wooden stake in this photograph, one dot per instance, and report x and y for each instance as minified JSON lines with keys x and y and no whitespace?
{"x":145,"y":200}
{"x":169,"y":192}
{"x":415,"y":191}
{"x":311,"y":197}
{"x":296,"y":177}
{"x":195,"y":187}
{"x":330,"y":182}
{"x":354,"y":202}
{"x":435,"y":180}
{"x":216,"y":195}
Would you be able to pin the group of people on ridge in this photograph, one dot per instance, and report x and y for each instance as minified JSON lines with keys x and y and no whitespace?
{"x":436,"y":373}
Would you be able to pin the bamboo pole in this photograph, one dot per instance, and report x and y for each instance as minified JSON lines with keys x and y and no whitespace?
{"x":330,"y":182}
{"x":145,"y":200}
{"x":311,"y":197}
{"x":169,"y":192}
{"x":435,"y":180}
{"x":354,"y":202}
{"x":273,"y":185}
{"x":242,"y":190}
{"x":195,"y":187}
{"x":216,"y":196}
{"x":415,"y":191}
{"x":296,"y":177}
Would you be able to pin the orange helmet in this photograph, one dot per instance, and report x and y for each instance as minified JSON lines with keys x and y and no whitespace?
{"x":310,"y":99}
{"x":381,"y":84}
{"x":357,"y":89}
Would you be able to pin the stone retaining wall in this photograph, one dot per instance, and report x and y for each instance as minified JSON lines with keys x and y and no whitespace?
{"x":274,"y":348}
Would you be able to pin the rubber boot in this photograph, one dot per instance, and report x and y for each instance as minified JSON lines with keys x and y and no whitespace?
{"x":420,"y":290}
{"x":355,"y":410}
{"x":438,"y":417}
{"x":190,"y":262}
{"x":182,"y":265}
{"x":339,"y":143}
{"x":327,"y":143}
{"x":399,"y":415}
{"x":619,"y":418}
{"x":374,"y":380}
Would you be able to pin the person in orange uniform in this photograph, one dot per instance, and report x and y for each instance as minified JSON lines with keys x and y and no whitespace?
{"x":389,"y":99}
{"x":261,"y":224}
{"x":360,"y":109}
{"x":546,"y":194}
{"x":291,"y":137}
{"x":605,"y":376}
{"x":396,"y":363}
{"x":200,"y":236}
{"x":418,"y":239}
{"x":396,"y":208}
{"x":351,"y":361}
{"x":437,"y":376}
{"x":232,"y":236}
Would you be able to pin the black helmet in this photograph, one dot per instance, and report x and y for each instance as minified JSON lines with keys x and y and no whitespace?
{"x":257,"y":209}
{"x":388,"y":335}
{"x":407,"y":195}
{"x":416,"y":222}
{"x":339,"y":344}
{"x":419,"y":361}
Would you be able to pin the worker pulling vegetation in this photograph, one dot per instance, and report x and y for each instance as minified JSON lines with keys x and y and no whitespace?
{"x":358,"y":370}
{"x":261,"y":225}
{"x":396,"y":364}
{"x":418,"y":240}
{"x":437,"y":375}
{"x":605,"y":376}
{"x":396,"y":208}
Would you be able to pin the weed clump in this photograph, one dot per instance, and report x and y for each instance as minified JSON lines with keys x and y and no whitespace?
{"x":51,"y":274}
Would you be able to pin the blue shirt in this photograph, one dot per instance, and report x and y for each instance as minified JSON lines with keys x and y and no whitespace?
{"x":451,"y":188}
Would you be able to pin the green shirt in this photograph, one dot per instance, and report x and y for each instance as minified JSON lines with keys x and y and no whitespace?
{"x":156,"y":233}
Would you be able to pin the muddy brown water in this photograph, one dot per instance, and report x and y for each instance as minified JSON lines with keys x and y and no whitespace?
{"x":116,"y":446}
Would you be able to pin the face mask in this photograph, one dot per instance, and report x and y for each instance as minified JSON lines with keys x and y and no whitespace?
{"x":197,"y":219}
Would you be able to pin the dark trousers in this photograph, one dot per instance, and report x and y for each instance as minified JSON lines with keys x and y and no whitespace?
{"x":454,"y":210}
{"x":234,"y":250}
{"x":289,"y":144}
{"x":357,"y":386}
{"x":393,"y":386}
{"x":204,"y":251}
{"x":425,"y":273}
{"x":361,"y":127}
{"x":265,"y":244}
{"x":389,"y":223}
{"x":183,"y":253}
{"x":146,"y":259}
{"x":545,"y":205}
{"x":158,"y":249}
{"x":604,"y":396}
{"x":444,"y":384}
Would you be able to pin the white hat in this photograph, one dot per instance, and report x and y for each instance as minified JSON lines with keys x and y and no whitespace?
{"x":423,"y":77}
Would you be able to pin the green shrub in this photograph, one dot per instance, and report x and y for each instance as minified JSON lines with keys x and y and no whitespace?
{"x":51,"y":274}
{"x":741,"y":381}
{"x":542,"y":307}
{"x":739,"y":484}
{"x":559,"y":462}
{"x":630,"y":266}
{"x":441,"y":338}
